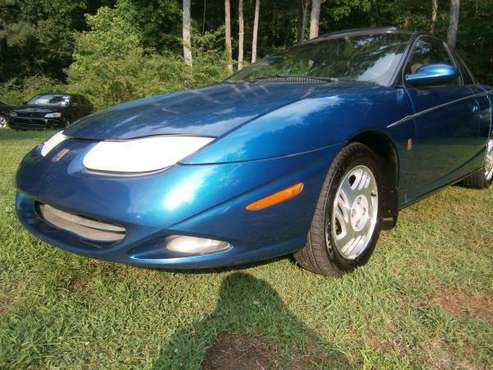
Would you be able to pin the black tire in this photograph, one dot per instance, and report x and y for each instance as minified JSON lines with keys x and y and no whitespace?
{"x":478,"y":179}
{"x":323,"y":258}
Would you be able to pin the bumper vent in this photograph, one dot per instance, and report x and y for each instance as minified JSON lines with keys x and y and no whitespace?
{"x":82,"y":226}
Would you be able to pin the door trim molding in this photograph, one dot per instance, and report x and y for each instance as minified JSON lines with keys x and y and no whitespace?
{"x":428,"y":110}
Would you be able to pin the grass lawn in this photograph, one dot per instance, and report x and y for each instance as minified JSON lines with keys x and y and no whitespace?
{"x":425,"y":300}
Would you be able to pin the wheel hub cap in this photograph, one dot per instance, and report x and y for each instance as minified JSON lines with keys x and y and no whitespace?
{"x":488,"y":166}
{"x":354,"y":213}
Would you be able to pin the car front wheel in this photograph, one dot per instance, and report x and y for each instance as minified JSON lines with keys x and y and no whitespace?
{"x":346,"y":223}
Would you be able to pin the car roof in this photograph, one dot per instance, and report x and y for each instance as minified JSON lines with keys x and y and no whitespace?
{"x":363,"y":32}
{"x":54,"y":93}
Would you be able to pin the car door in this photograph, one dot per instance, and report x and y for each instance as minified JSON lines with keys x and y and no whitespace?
{"x":446,"y":131}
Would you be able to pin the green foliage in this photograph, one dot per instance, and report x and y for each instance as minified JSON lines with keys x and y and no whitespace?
{"x":36,"y":36}
{"x":15,"y":92}
{"x":158,"y":20}
{"x":111,"y":64}
{"x":113,"y":50}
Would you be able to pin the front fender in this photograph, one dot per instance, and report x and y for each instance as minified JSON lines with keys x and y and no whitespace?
{"x":307,"y":125}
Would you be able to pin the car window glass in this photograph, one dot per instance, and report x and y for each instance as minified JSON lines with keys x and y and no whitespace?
{"x":371,"y":58}
{"x":429,"y":51}
{"x":466,"y":74}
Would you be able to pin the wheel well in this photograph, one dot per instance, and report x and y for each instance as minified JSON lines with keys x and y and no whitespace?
{"x":383,"y":147}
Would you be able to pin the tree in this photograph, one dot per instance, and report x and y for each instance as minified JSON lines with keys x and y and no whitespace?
{"x":36,"y":36}
{"x":227,"y":38}
{"x":434,"y":14}
{"x":187,"y":43}
{"x":241,"y":34}
{"x":302,"y":18}
{"x":255,"y":31}
{"x":315,"y":19}
{"x":453,"y":23}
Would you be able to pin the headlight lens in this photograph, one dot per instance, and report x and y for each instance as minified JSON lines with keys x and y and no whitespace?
{"x":53,"y":115}
{"x":142,"y":155}
{"x":52,"y":142}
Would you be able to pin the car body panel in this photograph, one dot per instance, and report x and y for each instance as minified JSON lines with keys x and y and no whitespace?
{"x":180,"y":200}
{"x":188,"y":112}
{"x":447,"y":134}
{"x":268,"y":136}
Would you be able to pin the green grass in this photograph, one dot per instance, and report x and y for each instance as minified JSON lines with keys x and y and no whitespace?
{"x":425,"y":299}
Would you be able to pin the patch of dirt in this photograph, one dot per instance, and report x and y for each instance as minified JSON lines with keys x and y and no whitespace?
{"x":378,"y":343}
{"x":316,"y":357}
{"x":236,"y":351}
{"x":442,"y":357}
{"x":458,"y":303}
{"x":79,"y":283}
{"x":246,"y":352}
{"x":6,"y":305}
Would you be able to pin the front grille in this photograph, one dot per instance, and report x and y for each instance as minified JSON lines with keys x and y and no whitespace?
{"x":29,"y":122}
{"x":84,"y":227}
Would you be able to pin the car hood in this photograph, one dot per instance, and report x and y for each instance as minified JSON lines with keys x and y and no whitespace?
{"x":28,"y":108}
{"x":212,"y":111}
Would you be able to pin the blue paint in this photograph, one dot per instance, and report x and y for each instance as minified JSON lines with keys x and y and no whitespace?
{"x":268,"y":136}
{"x":433,"y":74}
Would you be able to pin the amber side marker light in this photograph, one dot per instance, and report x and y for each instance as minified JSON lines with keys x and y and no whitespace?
{"x":276,"y":198}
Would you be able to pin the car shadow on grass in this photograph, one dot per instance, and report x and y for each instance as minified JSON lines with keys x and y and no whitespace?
{"x":250,"y":328}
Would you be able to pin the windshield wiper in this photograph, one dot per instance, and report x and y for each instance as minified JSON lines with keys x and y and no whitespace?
{"x":279,"y":76}
{"x":298,"y":77}
{"x":320,"y":78}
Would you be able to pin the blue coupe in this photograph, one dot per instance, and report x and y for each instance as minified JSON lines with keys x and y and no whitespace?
{"x":312,"y":151}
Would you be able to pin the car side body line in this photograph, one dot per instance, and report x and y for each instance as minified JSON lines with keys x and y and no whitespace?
{"x":413,"y":116}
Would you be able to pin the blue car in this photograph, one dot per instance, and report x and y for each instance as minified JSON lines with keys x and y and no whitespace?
{"x":310,"y":152}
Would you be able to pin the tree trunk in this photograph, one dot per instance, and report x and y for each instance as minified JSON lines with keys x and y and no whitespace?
{"x":434,"y":14}
{"x":303,"y":13}
{"x":255,"y":31}
{"x":187,"y":42}
{"x":203,"y":16}
{"x":241,"y":34}
{"x":227,"y":38}
{"x":315,"y":19}
{"x":453,"y":23}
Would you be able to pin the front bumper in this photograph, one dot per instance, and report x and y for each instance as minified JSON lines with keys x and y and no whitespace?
{"x":36,"y":123}
{"x":196,"y":200}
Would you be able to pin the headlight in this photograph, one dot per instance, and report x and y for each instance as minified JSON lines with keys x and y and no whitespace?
{"x":53,"y":115}
{"x":142,"y":155}
{"x":52,"y":142}
{"x":13,"y":114}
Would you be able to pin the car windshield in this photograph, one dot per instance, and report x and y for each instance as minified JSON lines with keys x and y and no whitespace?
{"x":59,"y":100}
{"x":371,"y":58}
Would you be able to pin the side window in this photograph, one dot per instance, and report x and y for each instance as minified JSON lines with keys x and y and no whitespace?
{"x":428,"y":51}
{"x":466,"y":73}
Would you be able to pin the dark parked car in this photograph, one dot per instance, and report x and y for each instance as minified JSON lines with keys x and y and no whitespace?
{"x":49,"y":110}
{"x":4,"y":114}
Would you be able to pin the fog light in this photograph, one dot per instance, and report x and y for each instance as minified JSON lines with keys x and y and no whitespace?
{"x":192,"y":245}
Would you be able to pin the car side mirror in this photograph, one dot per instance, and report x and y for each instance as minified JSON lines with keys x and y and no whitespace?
{"x":432,"y":74}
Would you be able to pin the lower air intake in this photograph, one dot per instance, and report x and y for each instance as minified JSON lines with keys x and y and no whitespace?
{"x":82,"y":226}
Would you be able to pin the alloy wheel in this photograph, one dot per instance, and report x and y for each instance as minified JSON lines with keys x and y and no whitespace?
{"x":354,"y":213}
